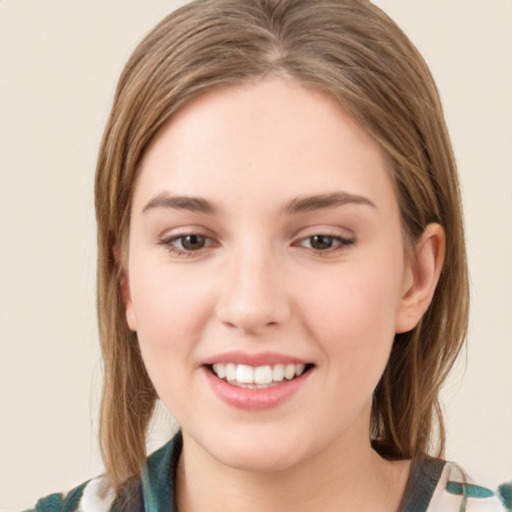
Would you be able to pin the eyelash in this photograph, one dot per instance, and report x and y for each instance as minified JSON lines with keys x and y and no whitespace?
{"x":168,"y":243}
{"x":341,"y":244}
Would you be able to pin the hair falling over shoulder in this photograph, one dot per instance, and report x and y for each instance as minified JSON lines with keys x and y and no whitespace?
{"x":353,"y":51}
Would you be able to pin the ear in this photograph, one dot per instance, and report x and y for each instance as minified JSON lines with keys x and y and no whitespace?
{"x":422,"y":271}
{"x":124,"y":288}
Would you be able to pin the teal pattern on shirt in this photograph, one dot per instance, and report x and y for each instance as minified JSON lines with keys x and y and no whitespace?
{"x":433,"y":486}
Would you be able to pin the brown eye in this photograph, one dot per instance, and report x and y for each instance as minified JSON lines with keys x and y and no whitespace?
{"x":183,"y":245}
{"x":321,"y":242}
{"x":192,"y":242}
{"x":326,"y":243}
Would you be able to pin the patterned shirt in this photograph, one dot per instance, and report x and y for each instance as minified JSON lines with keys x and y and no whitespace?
{"x":433,"y":486}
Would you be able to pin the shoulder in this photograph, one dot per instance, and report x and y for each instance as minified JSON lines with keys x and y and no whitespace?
{"x":91,"y":496}
{"x":455,"y":491}
{"x":153,"y":485}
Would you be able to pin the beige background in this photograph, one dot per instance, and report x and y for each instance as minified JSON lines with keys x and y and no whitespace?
{"x":59,"y":61}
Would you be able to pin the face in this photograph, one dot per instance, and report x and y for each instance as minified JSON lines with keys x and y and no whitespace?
{"x":265,"y":274}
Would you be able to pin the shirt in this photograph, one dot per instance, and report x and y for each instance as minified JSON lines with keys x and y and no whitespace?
{"x":433,"y":486}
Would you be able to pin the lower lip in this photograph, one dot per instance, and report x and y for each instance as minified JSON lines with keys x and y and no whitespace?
{"x":255,"y":399}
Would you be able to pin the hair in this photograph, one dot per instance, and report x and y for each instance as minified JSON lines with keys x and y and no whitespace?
{"x":351,"y":50}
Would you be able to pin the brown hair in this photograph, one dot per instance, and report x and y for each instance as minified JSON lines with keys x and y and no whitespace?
{"x":353,"y":51}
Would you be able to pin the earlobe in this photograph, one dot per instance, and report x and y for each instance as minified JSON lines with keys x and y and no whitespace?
{"x":127,"y":301}
{"x":124,"y":288}
{"x":421,"y":277}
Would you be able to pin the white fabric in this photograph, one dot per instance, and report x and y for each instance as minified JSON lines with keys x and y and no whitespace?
{"x":444,"y":501}
{"x":94,"y":498}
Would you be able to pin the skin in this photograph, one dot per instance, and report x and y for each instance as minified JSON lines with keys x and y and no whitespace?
{"x":259,"y":283}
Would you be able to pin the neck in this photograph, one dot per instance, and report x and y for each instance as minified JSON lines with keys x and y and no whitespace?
{"x":350,"y":474}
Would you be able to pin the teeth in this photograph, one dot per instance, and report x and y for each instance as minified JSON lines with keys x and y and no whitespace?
{"x":244,"y":374}
{"x":263,"y":375}
{"x":220,"y":370}
{"x":299,"y":369}
{"x":289,"y":371}
{"x":230,"y":371}
{"x":259,"y":376}
{"x":278,"y":373}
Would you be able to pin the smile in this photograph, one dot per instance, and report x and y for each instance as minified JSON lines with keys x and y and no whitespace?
{"x":257,"y":377}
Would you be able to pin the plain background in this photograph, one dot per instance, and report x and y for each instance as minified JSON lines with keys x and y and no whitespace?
{"x":59,"y":62}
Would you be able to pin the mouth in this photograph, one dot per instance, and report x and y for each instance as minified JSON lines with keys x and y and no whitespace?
{"x":257,"y":377}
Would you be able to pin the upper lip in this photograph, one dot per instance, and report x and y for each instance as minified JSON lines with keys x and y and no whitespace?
{"x":259,"y":359}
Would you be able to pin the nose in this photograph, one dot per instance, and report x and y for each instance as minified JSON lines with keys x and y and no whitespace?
{"x":253,"y":295}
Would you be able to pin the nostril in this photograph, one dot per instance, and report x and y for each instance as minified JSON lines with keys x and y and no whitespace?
{"x":252,"y":303}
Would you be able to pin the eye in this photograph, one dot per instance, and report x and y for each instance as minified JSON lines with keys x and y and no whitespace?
{"x":187,"y":243}
{"x":325,"y":243}
{"x":192,"y":242}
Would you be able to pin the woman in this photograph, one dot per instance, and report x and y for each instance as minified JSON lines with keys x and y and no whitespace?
{"x":281,"y":262}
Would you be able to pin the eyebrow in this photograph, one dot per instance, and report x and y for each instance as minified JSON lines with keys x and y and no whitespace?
{"x":193,"y":204}
{"x":296,"y":205}
{"x":323,"y":201}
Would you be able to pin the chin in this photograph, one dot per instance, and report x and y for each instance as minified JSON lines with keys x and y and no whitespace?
{"x":264,"y":453}
{"x":259,"y":461}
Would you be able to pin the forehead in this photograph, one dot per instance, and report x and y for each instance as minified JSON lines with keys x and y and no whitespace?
{"x":274,"y":137}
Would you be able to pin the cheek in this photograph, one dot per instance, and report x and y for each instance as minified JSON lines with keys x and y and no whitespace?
{"x":353,"y":300}
{"x":168,"y":307}
{"x":351,"y":312}
{"x":170,"y":311}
